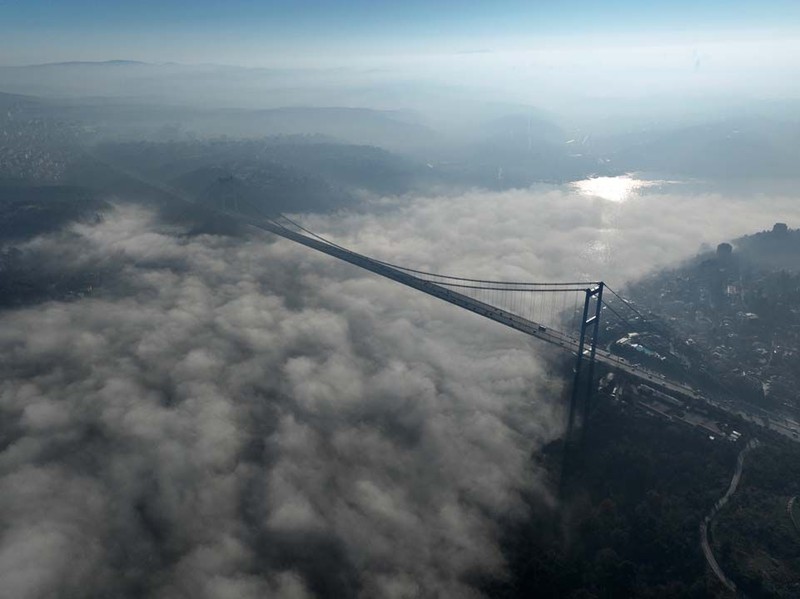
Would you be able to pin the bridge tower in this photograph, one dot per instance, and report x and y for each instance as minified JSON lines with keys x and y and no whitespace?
{"x":583,"y":381}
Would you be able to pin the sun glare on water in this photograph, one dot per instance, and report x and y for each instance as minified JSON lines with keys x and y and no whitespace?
{"x":613,"y":189}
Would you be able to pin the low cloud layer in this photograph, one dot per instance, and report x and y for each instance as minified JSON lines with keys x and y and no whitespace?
{"x":246,"y":418}
{"x":251,"y":419}
{"x":551,"y":233}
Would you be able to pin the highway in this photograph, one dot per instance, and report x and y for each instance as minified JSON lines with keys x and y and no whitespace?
{"x":508,"y":319}
{"x":529,"y":327}
{"x":518,"y":323}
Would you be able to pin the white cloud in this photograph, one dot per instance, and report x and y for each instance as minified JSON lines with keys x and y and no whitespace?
{"x":247,"y":418}
{"x":279,"y":425}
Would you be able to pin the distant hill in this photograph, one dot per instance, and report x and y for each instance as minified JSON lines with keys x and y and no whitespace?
{"x":348,"y":168}
{"x":775,"y":249}
{"x":522,"y":129}
{"x":729,"y":149}
{"x":30,"y":210}
{"x":12,"y":100}
{"x":266,"y":189}
{"x":73,"y":63}
{"x":125,"y":112}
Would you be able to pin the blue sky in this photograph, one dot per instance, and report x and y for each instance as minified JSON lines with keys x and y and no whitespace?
{"x":254,"y":32}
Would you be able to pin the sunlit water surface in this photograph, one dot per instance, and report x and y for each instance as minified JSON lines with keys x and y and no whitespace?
{"x":614,"y":189}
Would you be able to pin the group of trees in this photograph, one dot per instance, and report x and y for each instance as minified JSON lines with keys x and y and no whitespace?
{"x":756,"y":543}
{"x":628,"y":520}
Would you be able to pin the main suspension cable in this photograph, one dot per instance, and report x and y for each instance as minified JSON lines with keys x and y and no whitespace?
{"x":433,"y":274}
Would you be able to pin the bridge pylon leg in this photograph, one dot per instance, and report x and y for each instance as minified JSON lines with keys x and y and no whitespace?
{"x":590,"y":330}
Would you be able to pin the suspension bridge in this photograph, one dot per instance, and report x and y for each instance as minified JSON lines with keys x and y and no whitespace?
{"x":563,"y":314}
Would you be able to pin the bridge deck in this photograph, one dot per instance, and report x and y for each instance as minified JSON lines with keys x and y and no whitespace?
{"x":529,"y":327}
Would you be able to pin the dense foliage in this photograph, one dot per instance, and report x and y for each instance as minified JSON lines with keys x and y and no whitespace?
{"x":755,"y":540}
{"x":628,"y":525}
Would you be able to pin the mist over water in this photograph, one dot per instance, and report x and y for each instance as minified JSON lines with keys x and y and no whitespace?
{"x":554,"y":232}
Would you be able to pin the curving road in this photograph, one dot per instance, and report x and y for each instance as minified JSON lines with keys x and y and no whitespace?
{"x":704,"y":544}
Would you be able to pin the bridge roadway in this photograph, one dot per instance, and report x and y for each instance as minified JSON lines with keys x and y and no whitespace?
{"x":503,"y":317}
{"x":506,"y":318}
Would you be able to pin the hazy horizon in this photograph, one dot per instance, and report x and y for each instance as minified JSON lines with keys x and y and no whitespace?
{"x":523,"y":50}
